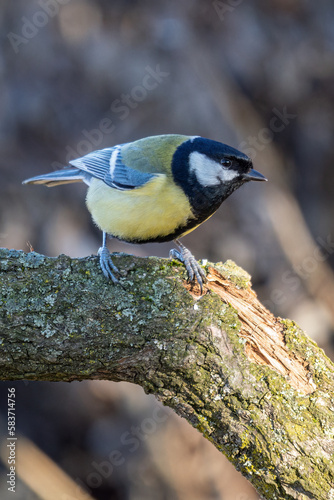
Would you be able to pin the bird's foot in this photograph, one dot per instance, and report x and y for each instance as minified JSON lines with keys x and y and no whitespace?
{"x":107,"y":265}
{"x":194,"y":270}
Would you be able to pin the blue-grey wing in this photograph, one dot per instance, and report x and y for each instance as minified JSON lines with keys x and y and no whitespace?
{"x":107,"y":165}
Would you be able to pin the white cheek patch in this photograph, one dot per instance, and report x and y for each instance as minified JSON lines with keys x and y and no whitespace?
{"x":209,"y":172}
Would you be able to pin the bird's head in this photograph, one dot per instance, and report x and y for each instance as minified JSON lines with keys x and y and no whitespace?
{"x":209,"y":171}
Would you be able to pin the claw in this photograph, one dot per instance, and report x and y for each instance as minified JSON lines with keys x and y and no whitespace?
{"x":194,"y":270}
{"x":107,"y":265}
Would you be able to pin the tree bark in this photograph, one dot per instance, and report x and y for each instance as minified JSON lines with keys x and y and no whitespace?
{"x":254,"y":385}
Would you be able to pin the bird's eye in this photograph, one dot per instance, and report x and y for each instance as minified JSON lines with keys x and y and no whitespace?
{"x":226,"y":163}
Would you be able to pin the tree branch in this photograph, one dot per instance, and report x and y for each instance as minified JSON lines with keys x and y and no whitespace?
{"x":254,"y":385}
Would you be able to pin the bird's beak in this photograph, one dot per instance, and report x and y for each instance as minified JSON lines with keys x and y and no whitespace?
{"x":254,"y":175}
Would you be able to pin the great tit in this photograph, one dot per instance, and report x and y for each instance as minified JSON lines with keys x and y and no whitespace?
{"x":156,"y":189}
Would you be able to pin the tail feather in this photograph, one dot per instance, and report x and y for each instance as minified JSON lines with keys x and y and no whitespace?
{"x":58,"y":177}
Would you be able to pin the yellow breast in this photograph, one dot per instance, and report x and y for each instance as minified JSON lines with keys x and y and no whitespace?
{"x":151,"y":211}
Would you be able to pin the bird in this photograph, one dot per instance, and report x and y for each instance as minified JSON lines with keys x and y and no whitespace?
{"x":156,"y":189}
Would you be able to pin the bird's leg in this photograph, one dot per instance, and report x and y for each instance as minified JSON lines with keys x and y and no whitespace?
{"x":107,"y":265}
{"x":195,"y":272}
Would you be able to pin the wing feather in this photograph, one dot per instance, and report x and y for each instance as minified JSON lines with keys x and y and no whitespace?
{"x":107,"y":165}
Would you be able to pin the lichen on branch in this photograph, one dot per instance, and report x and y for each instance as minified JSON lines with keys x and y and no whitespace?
{"x":256,"y":386}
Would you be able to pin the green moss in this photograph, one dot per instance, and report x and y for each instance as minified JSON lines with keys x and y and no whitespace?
{"x":229,"y":270}
{"x":174,"y":263}
{"x":298,"y":342}
{"x":203,"y":425}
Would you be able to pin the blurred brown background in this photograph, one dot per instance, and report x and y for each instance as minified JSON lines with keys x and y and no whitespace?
{"x":79,"y":75}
